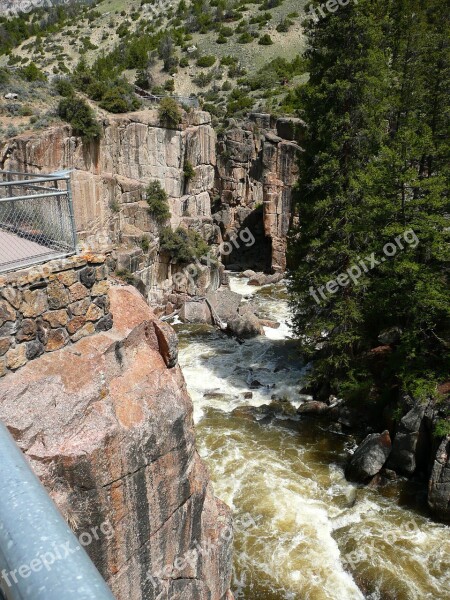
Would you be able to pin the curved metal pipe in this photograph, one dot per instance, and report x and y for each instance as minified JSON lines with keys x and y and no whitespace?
{"x":35,"y":563}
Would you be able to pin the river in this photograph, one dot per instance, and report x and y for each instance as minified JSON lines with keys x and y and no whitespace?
{"x":312,"y":535}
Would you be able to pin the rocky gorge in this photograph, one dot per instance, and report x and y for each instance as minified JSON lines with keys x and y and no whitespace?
{"x":243,"y":179}
{"x":111,"y":436}
{"x":132,"y":401}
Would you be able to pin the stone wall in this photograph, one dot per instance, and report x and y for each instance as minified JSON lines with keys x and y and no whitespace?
{"x":47,"y":307}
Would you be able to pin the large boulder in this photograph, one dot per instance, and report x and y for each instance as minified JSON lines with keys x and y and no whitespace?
{"x":195,"y":312}
{"x":225,"y":303}
{"x":107,"y":425}
{"x":409,"y":439}
{"x":369,"y":458}
{"x":246,"y":325}
{"x":257,"y":279}
{"x":313,"y":408}
{"x":439,"y":483}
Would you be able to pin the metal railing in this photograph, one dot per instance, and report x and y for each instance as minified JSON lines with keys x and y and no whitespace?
{"x":36,"y":219}
{"x":191,"y":101}
{"x":35,"y":561}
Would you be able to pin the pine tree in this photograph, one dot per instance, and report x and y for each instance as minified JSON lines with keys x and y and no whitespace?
{"x":409,"y":184}
{"x":376,"y":165}
{"x":343,"y":104}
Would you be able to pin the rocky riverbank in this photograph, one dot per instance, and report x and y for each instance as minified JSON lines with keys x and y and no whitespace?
{"x":406,"y":445}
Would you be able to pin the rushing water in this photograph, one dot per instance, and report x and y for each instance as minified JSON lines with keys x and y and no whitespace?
{"x":314,"y":535}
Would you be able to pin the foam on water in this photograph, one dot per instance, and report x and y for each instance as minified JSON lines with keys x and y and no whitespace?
{"x":310,"y":520}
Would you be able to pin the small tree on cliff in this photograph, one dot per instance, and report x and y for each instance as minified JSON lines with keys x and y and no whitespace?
{"x":169,"y":113}
{"x":81,"y":117}
{"x":157,"y":201}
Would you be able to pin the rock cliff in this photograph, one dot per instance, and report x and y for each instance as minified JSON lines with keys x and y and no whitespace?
{"x":257,"y":166}
{"x":109,"y":181}
{"x":246,"y":179}
{"x":107,"y":425}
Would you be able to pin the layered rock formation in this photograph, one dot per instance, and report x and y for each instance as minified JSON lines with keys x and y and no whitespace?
{"x":439,"y":484}
{"x":257,"y":166}
{"x":107,"y":425}
{"x":247,"y":178}
{"x":109,"y":181}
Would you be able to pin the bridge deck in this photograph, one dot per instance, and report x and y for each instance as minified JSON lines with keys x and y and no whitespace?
{"x":17,"y":252}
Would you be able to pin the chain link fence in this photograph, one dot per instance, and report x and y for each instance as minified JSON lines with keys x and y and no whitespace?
{"x":36,"y":219}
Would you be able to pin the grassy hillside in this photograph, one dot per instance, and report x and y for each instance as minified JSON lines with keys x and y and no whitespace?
{"x":233,"y":55}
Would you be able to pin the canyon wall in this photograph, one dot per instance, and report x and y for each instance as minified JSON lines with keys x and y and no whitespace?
{"x":257,"y":168}
{"x":245,"y":178}
{"x":109,"y":180}
{"x":106,"y":423}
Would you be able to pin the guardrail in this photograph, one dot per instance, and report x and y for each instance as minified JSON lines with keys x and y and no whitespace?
{"x":36,"y":219}
{"x":34,"y":564}
{"x":191,"y":101}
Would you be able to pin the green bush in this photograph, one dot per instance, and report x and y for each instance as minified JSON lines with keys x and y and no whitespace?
{"x":229,"y":61}
{"x":206,"y":61}
{"x":265,"y":40}
{"x":4,"y":76}
{"x":157,"y":202}
{"x":64,"y":87}
{"x":127,"y":276}
{"x":169,"y":86}
{"x":32,"y":73}
{"x":442,"y":428}
{"x":80,"y":116}
{"x":144,"y":243}
{"x":245,"y":38}
{"x":183,"y":246}
{"x":169,"y":113}
{"x":284,"y":25}
{"x":25,"y":111}
{"x":189,"y":171}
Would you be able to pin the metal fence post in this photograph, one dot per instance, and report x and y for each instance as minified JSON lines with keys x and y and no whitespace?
{"x":71,"y":212}
{"x":40,"y":557}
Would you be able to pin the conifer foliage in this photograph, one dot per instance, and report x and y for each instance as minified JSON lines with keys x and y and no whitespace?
{"x":376,"y":165}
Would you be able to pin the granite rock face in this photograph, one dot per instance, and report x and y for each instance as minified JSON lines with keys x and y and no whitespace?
{"x":257,"y":169}
{"x":243,"y":181}
{"x":410,"y":439}
{"x":106,"y":423}
{"x":369,"y":458}
{"x":439,"y":483}
{"x":109,"y":181}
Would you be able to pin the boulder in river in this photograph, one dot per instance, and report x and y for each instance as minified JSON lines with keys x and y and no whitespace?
{"x":269,"y":323}
{"x":245,"y":326}
{"x":195,"y":312}
{"x":369,"y":458}
{"x":225,"y":303}
{"x":258,"y":279}
{"x":313,"y":408}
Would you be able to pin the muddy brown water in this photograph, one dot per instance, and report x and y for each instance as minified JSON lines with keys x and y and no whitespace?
{"x":310,"y":534}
